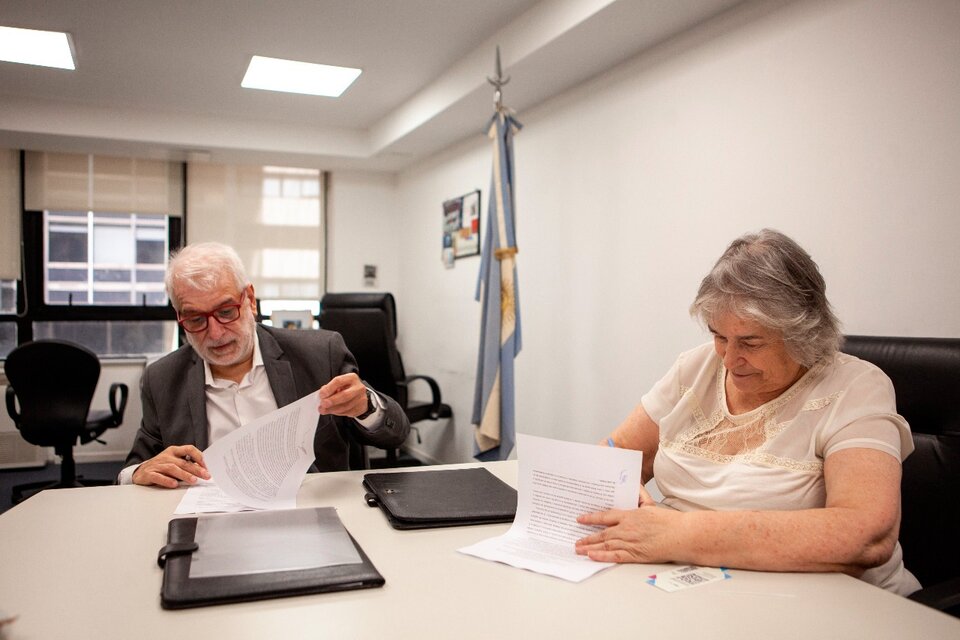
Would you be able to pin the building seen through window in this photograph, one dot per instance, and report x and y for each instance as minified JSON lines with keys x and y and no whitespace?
{"x":116,"y":260}
{"x":8,"y":307}
{"x":113,"y":338}
{"x":104,"y":258}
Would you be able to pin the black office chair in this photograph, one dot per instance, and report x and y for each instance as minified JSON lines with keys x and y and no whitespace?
{"x":926,"y":377}
{"x":368,"y":324}
{"x":53,"y":381}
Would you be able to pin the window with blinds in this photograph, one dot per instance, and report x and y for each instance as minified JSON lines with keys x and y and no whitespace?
{"x":272,"y":217}
{"x":105,"y":226}
{"x":98,"y":231}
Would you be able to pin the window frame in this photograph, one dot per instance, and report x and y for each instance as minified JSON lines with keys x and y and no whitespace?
{"x":39,"y":310}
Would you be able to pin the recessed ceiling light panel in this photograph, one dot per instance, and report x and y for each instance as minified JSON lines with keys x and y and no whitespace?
{"x":291,"y":76}
{"x":43,"y":48}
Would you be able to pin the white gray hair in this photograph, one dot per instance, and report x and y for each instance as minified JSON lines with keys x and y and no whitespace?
{"x":768,"y":278}
{"x":203,"y":266}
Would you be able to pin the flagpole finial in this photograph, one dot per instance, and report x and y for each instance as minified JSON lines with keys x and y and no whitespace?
{"x":498,"y":83}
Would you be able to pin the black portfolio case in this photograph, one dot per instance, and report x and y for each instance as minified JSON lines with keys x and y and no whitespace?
{"x":180,"y":590}
{"x":445,"y":498}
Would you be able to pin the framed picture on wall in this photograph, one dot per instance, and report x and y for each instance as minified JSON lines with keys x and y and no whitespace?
{"x":461,"y":227}
{"x":292,"y":319}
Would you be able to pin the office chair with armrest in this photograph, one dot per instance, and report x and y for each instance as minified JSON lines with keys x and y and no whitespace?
{"x":926,"y":377}
{"x":53,"y":381}
{"x":368,"y":324}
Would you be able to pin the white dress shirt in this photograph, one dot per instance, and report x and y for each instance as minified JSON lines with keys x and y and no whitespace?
{"x":233,"y":404}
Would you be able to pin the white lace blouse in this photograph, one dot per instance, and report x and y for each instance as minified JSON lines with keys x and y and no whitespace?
{"x":771,"y":458}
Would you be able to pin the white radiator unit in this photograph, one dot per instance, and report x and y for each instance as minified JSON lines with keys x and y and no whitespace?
{"x":15,"y":452}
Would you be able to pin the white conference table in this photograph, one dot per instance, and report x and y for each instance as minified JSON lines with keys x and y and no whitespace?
{"x":81,"y":563}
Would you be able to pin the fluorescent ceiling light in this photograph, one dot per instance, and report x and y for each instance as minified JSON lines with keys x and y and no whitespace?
{"x":43,"y":48}
{"x":274,"y":74}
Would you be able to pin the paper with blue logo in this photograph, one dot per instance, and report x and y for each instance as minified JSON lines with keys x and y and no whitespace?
{"x":558,"y":481}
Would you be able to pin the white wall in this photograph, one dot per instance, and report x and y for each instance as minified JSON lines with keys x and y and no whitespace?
{"x":439,"y":321}
{"x":363,"y":227}
{"x":833,"y":121}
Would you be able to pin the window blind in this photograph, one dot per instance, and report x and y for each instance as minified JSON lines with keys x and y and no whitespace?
{"x":105,"y":184}
{"x":10,"y":214}
{"x":270,"y":215}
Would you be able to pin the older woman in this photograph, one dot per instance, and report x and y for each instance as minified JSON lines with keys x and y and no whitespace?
{"x":775,"y":451}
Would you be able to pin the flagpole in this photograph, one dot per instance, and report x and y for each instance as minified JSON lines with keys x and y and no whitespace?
{"x":493,"y":409}
{"x":498,"y":82}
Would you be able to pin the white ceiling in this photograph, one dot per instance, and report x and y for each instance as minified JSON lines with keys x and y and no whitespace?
{"x":161,"y":78}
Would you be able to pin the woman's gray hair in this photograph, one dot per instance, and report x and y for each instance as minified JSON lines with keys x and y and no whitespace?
{"x":203,"y":266}
{"x":770,"y":279}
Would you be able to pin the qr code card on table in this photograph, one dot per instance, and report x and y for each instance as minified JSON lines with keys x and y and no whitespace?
{"x":686,"y":577}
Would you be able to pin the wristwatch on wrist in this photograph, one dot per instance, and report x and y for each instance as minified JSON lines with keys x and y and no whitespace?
{"x":371,"y":406}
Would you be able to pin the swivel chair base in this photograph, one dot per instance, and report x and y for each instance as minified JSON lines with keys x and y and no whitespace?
{"x":68,"y":480}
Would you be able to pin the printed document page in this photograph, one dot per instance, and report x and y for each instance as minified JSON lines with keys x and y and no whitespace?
{"x":559,"y":481}
{"x":262,"y":464}
{"x":206,"y":497}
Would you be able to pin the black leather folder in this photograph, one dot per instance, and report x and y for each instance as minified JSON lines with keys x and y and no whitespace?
{"x":445,"y":498}
{"x":180,"y":590}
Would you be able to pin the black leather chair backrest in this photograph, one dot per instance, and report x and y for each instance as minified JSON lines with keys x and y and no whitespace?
{"x":926,"y":377}
{"x":368,"y":324}
{"x":54,"y":382}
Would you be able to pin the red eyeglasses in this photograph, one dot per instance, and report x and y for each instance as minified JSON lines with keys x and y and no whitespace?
{"x":197,"y":322}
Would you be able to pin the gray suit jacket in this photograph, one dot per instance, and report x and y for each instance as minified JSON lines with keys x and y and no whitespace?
{"x":297,"y":362}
